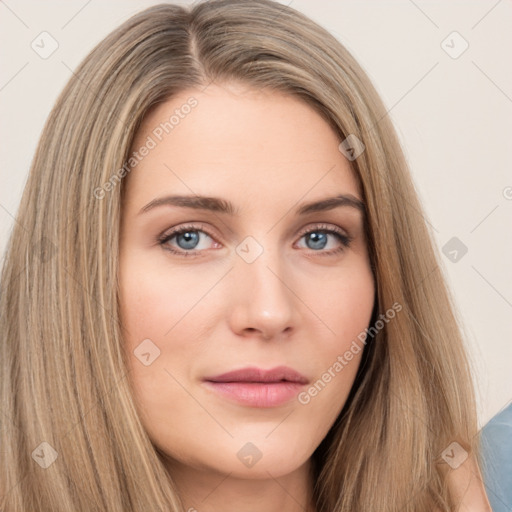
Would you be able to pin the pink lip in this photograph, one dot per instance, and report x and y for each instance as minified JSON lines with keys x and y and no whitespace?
{"x":258,"y":388}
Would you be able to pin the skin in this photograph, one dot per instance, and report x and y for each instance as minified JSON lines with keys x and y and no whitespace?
{"x":466,"y":487}
{"x":298,"y":304}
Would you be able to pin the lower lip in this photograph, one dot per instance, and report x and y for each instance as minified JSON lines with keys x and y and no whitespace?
{"x":257,"y":394}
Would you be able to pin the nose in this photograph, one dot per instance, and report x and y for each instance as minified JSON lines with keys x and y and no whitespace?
{"x":262,"y":302}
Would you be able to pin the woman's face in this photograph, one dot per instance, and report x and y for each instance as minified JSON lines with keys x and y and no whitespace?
{"x":236,"y":255}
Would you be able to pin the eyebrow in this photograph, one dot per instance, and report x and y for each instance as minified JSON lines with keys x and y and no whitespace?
{"x":215,"y":204}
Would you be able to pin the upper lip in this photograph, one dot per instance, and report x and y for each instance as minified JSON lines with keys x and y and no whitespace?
{"x":254,"y":374}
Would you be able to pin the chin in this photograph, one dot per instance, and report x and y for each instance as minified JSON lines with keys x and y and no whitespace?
{"x":257,"y":459}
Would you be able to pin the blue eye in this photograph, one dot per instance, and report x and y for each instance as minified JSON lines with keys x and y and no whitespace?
{"x":189,"y":239}
{"x":192,"y":240}
{"x":320,"y":238}
{"x":186,"y":241}
{"x":316,"y":240}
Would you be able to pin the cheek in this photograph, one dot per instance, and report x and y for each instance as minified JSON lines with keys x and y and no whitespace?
{"x":344,"y":305}
{"x":150,"y":308}
{"x":153,"y":302}
{"x":162,"y":314}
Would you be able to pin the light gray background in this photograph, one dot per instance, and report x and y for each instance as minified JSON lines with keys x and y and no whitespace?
{"x":454,"y":117}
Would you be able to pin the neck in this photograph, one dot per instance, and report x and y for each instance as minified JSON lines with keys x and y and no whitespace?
{"x":206,"y":490}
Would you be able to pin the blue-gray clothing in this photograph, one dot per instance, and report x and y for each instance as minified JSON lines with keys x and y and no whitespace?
{"x":496,"y":446}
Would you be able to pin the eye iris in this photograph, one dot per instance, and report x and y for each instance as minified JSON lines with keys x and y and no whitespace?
{"x":316,"y":240}
{"x":190,"y":239}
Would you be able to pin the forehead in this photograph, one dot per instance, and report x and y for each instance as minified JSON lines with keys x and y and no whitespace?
{"x":231,"y":139}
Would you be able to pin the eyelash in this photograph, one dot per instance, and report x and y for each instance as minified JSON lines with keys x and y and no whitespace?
{"x":344,"y":239}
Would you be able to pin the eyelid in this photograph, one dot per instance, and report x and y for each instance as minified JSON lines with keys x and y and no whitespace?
{"x":190,"y":226}
{"x":322,"y":226}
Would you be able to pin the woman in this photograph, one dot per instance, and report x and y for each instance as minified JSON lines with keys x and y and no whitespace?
{"x":220,"y":293}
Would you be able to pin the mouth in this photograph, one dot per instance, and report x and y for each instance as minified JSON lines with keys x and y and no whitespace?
{"x":255,"y":387}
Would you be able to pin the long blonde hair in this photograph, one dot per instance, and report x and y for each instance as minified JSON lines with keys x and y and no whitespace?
{"x":65,"y":387}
